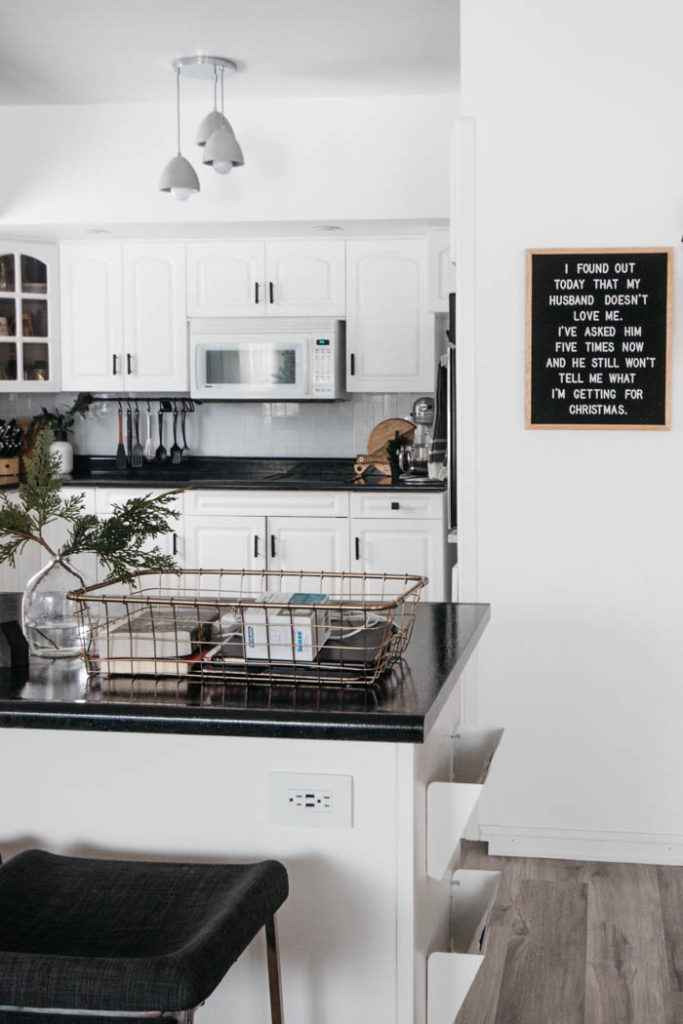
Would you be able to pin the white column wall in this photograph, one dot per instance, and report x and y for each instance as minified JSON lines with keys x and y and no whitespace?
{"x":579,"y":537}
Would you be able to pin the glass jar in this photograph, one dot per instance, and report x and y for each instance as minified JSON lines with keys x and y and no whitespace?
{"x":48,"y":617}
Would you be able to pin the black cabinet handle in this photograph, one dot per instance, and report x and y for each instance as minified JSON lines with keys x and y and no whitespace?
{"x":114,"y":361}
{"x":270,"y":292}
{"x":256,"y":290}
{"x":129,"y":363}
{"x":175,"y":543}
{"x":395,"y":505}
{"x":256,"y":545}
{"x":353,"y":365}
{"x":358,"y":549}
{"x":272,"y":545}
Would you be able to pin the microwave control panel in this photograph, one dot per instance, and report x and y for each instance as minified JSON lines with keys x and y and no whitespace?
{"x":323,"y":367}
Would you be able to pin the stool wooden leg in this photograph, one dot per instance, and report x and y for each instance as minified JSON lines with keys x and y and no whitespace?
{"x":274,"y":973}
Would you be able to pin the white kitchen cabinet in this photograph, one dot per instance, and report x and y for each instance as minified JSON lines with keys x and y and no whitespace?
{"x":56,"y":534}
{"x":306,"y":277}
{"x":29,"y":318}
{"x":288,"y":277}
{"x":101,"y":499}
{"x":98,"y":501}
{"x":414,"y":546}
{"x":390,"y":335}
{"x":224,"y":542}
{"x":441,"y":277}
{"x":123,"y":315}
{"x":225,"y":279}
{"x":224,"y":530}
{"x":308,"y":543}
{"x":154,"y":320}
{"x":26,"y":564}
{"x":92,"y":316}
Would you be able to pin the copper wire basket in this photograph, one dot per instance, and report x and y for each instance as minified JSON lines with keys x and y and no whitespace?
{"x":283,"y":627}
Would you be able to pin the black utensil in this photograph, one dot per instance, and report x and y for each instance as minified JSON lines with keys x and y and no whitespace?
{"x":183,"y":413}
{"x":120,"y":451}
{"x":136,"y":454}
{"x":129,"y":433}
{"x":176,"y":450}
{"x":161,"y":454}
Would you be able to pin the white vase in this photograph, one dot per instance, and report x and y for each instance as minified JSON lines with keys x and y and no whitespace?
{"x":64,"y":449}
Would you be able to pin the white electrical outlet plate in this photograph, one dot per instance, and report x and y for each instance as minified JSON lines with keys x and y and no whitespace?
{"x":311,"y":799}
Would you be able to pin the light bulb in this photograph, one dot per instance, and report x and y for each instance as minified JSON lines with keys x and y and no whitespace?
{"x":222,"y":166}
{"x":181,"y":194}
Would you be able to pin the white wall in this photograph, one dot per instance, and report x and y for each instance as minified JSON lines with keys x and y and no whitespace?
{"x":358,"y":158}
{"x":579,"y":534}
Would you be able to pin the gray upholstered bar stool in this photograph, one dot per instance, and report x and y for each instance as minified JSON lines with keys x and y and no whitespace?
{"x":109,"y":938}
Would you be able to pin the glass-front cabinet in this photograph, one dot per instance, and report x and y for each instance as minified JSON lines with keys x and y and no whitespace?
{"x":29,"y":317}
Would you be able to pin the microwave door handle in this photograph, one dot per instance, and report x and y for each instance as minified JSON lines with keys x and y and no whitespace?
{"x":305,"y":366}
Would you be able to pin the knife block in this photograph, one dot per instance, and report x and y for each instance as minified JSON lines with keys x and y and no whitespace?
{"x":9,"y":467}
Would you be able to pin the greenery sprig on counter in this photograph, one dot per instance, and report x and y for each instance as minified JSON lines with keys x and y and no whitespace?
{"x":119,"y":541}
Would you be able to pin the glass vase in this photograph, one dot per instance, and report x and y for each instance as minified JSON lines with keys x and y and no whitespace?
{"x":48,"y":617}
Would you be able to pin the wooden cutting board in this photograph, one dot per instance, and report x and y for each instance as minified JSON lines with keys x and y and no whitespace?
{"x":377,"y":442}
{"x":385,"y":431}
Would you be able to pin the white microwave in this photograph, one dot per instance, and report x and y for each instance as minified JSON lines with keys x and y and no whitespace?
{"x":277,"y":360}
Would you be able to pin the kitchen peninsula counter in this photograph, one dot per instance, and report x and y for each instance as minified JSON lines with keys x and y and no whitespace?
{"x":184,"y":779}
{"x":400,"y":708}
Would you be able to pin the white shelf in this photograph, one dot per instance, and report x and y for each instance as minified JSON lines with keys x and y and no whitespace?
{"x":450,"y":974}
{"x":450,"y":804}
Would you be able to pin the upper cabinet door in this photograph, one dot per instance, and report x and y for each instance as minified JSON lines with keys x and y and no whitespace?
{"x":306,"y":277}
{"x":92,"y":317}
{"x":226,"y":279}
{"x":441,"y":271}
{"x":154,"y":321}
{"x":390,"y":337}
{"x":29,"y":318}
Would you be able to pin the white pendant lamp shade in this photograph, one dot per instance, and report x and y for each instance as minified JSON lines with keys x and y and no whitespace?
{"x":223,"y":151}
{"x":179,"y":178}
{"x":211,"y":123}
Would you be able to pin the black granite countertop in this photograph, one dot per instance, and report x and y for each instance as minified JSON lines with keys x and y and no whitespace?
{"x":239,"y":474}
{"x":401,"y":707}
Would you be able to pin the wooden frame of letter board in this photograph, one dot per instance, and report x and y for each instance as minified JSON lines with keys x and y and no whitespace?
{"x":668,"y":250}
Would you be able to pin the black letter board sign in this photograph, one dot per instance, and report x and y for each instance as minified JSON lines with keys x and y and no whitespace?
{"x":599,"y":338}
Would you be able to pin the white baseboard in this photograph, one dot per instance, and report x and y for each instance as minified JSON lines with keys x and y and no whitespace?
{"x":569,"y":844}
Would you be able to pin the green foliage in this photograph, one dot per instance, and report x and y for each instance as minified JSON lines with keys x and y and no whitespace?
{"x":120,"y":541}
{"x":62,"y":422}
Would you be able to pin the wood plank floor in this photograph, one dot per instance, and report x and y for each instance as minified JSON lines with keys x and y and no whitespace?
{"x":578,"y":942}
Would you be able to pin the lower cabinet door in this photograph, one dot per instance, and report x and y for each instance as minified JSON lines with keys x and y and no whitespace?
{"x":412,"y":546}
{"x":308,"y":544}
{"x":224,"y":542}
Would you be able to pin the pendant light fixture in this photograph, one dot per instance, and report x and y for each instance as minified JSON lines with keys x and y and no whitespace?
{"x":221,"y":149}
{"x":178,"y":176}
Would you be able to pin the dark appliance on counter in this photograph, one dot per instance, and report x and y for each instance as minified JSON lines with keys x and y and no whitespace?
{"x":449,"y":360}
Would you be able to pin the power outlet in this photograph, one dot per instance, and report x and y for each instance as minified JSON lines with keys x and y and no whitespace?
{"x":315,"y":800}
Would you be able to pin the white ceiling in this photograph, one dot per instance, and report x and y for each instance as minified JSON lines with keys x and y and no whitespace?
{"x":120,"y":51}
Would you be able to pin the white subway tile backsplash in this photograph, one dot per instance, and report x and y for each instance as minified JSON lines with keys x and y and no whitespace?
{"x":265,"y":429}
